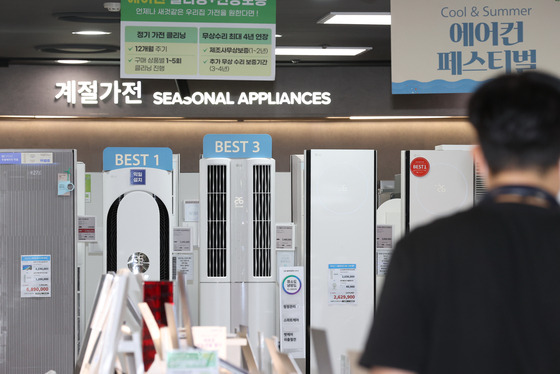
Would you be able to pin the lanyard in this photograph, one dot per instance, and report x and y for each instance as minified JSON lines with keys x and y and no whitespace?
{"x":522,"y":194}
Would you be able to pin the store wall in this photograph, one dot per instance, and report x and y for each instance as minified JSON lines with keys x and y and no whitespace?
{"x":91,"y":136}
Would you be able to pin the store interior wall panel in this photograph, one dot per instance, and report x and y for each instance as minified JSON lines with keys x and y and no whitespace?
{"x":90,"y":137}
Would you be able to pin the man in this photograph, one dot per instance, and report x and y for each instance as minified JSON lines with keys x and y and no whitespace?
{"x":479,"y":292}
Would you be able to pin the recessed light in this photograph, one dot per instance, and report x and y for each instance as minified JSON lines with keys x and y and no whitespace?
{"x":72,"y":62}
{"x":351,"y":18}
{"x":320,"y":51}
{"x":91,"y":32}
{"x":361,"y":118}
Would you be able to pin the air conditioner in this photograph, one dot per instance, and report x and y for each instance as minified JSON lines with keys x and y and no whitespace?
{"x":340,"y":200}
{"x":237,"y":237}
{"x":38,"y":280}
{"x":137,"y":211}
{"x":437,"y":183}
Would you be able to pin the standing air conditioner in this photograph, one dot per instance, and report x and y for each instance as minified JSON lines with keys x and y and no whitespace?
{"x":38,"y":280}
{"x":437,"y":183}
{"x":237,"y":257}
{"x":340,"y":188}
{"x":137,"y":208}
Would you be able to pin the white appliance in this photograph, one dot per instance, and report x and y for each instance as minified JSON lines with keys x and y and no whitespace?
{"x":138,"y":214}
{"x":237,"y":236}
{"x":340,"y":241}
{"x":437,"y":183}
{"x":297,"y":170}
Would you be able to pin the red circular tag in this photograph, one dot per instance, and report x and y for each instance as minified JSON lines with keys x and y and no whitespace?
{"x":419,"y":167}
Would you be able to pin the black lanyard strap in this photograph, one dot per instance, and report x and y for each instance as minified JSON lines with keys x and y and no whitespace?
{"x":522,"y":194}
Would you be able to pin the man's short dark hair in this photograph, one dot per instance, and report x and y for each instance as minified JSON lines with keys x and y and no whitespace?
{"x":517,"y":118}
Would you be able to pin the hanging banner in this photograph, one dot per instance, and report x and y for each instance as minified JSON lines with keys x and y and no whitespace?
{"x":198,"y":39}
{"x":469,"y":42}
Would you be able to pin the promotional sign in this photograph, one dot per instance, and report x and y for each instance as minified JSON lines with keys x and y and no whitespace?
{"x":17,"y":158}
{"x":237,"y":146}
{"x":191,"y":361}
{"x":342,"y":284}
{"x":36,"y":276}
{"x":128,"y":157}
{"x":86,"y":229}
{"x":383,"y":248}
{"x":188,"y":39}
{"x":470,"y":41}
{"x":292,"y":311}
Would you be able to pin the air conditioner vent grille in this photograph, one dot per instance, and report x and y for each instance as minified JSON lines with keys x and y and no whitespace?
{"x":217,"y":220}
{"x":480,"y":187}
{"x":262,"y":221}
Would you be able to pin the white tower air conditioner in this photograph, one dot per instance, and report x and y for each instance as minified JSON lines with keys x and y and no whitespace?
{"x":237,"y":236}
{"x":137,"y":209}
{"x":340,"y":187}
{"x":437,"y":183}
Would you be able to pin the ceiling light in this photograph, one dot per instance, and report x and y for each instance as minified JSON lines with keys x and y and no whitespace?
{"x":320,"y":51}
{"x":348,"y":18}
{"x":361,"y":118}
{"x":91,"y":32}
{"x":278,"y":35}
{"x":77,"y":48}
{"x":72,"y":62}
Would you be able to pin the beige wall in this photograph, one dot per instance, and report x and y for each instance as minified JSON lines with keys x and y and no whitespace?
{"x":91,"y":136}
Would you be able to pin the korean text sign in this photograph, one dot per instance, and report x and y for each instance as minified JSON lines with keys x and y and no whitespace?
{"x":469,"y":42}
{"x":198,"y":39}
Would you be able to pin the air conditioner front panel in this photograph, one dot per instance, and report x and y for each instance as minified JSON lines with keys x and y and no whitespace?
{"x":214,"y":220}
{"x":448,"y":186}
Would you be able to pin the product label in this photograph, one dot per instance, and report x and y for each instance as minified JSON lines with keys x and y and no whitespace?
{"x":342,"y":284}
{"x":292,"y":311}
{"x":419,"y":167}
{"x":36,"y":276}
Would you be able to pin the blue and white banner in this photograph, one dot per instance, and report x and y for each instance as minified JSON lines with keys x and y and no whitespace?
{"x":137,"y":157}
{"x":237,"y":146}
{"x":452,"y":46}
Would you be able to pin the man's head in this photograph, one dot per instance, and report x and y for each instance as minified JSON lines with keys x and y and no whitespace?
{"x":517,"y":119}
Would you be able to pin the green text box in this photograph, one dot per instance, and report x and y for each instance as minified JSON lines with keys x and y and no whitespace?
{"x":237,"y":35}
{"x":240,"y":66}
{"x":155,"y":34}
{"x":205,"y":11}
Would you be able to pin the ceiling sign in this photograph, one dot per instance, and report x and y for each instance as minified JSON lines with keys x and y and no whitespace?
{"x":198,"y":39}
{"x":468,"y":42}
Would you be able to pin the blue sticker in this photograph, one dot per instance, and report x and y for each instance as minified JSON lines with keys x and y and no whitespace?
{"x":10,"y":158}
{"x":64,"y":187}
{"x":134,"y":157}
{"x":342,"y":266}
{"x":237,"y":146}
{"x":138,"y":177}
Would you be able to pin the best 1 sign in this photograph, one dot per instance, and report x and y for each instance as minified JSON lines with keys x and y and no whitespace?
{"x":127,"y":157}
{"x":237,"y":146}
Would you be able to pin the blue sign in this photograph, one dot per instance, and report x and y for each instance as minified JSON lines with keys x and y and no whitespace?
{"x":237,"y":146}
{"x":138,"y":177}
{"x":342,"y":266}
{"x":10,"y":158}
{"x":134,"y":157}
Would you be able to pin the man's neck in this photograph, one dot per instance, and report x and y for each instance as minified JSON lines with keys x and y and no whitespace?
{"x":548,"y":181}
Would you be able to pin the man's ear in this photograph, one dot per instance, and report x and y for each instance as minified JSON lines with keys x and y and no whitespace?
{"x":480,"y":161}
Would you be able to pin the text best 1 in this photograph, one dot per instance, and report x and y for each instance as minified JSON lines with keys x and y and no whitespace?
{"x":134,"y":159}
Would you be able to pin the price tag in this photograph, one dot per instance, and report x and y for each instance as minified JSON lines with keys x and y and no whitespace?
{"x":35,"y":276}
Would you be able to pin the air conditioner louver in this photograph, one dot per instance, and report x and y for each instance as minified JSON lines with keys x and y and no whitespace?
{"x":480,"y":187}
{"x":217,"y":223}
{"x":262,"y":222}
